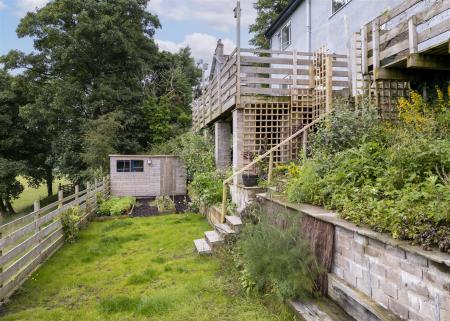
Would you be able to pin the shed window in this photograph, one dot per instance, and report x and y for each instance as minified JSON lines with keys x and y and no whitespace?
{"x":286,"y":36}
{"x":127,"y":166}
{"x":336,"y":5}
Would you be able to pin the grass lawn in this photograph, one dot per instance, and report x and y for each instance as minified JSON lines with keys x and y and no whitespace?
{"x":136,"y":269}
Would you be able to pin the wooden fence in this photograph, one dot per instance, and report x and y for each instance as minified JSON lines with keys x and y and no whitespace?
{"x":27,"y":242}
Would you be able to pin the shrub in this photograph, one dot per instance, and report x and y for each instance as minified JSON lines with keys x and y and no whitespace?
{"x":207,"y":188}
{"x":277,"y":261}
{"x":70,"y":220}
{"x":116,"y":206}
{"x":164,"y":203}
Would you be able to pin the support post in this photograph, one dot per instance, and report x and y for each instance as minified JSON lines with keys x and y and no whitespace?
{"x":305,"y":144}
{"x":224,"y":202}
{"x":412,"y":31}
{"x":376,"y":43}
{"x":329,"y":83}
{"x":364,"y":50}
{"x":77,"y":191}
{"x":237,"y":15}
{"x":222,"y":148}
{"x":312,"y":75}
{"x":269,"y":176}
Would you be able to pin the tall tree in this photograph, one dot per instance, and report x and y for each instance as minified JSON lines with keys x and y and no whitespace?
{"x":11,"y":143}
{"x":267,"y":12}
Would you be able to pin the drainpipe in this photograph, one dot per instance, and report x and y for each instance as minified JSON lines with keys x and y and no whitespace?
{"x":308,"y":24}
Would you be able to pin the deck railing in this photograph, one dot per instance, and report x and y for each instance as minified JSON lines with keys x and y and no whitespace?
{"x":262,"y":73}
{"x":28,"y":241}
{"x":411,"y":27}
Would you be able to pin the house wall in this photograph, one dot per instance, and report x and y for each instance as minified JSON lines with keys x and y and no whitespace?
{"x":165,"y":176}
{"x":327,"y":29}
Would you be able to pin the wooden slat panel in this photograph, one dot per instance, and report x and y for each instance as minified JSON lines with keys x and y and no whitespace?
{"x":405,"y":5}
{"x":266,"y":70}
{"x":434,"y":31}
{"x":265,"y":91}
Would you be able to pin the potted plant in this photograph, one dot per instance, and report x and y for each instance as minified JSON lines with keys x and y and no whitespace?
{"x":250,"y":177}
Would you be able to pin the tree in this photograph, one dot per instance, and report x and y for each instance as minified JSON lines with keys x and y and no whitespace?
{"x":267,"y":12}
{"x":11,"y":143}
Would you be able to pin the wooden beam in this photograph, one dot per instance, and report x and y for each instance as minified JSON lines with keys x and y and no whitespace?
{"x":392,"y":74}
{"x":412,"y":31}
{"x":434,"y":62}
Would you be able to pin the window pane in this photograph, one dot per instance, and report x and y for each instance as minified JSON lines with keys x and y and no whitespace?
{"x":123,"y":166}
{"x":286,"y":36}
{"x":137,"y":166}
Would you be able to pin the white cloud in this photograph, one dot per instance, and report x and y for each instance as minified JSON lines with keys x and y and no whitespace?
{"x":25,"y":6}
{"x":202,"y":45}
{"x":218,"y":14}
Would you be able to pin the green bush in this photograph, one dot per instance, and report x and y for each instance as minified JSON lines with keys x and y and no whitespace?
{"x":394,"y":179}
{"x":70,"y":220}
{"x":116,"y":206}
{"x":164,"y":203}
{"x":277,"y":261}
{"x":207,"y":188}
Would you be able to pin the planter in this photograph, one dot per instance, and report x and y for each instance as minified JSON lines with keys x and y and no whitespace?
{"x":250,"y":180}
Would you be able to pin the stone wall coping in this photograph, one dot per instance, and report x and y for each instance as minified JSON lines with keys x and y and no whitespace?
{"x":253,"y":188}
{"x":332,"y":217}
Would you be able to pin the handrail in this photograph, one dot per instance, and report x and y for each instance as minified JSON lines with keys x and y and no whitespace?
{"x":261,"y":157}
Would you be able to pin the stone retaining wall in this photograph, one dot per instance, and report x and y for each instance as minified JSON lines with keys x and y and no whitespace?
{"x":401,"y":279}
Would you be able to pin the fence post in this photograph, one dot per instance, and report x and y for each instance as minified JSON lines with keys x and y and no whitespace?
{"x":36,"y":208}
{"x":328,"y":83}
{"x":305,"y":144}
{"x":60,"y":198}
{"x":224,"y":202}
{"x":269,"y":176}
{"x":88,"y":194}
{"x":77,"y":191}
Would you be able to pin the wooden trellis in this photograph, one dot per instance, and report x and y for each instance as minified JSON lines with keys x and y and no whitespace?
{"x":387,"y":94}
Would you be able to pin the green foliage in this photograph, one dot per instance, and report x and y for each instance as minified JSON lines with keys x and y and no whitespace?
{"x":70,"y":220}
{"x":268,"y":11}
{"x":116,"y":206}
{"x":164,"y":203}
{"x":207,"y":188}
{"x":277,"y":261}
{"x":196,"y":151}
{"x":391,"y":177}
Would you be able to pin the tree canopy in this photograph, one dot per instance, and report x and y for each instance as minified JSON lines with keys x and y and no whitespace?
{"x":267,"y":12}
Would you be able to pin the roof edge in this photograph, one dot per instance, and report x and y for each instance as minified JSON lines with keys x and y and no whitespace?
{"x":292,"y":6}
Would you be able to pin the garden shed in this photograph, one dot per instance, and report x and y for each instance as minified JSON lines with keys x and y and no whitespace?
{"x":147,"y":176}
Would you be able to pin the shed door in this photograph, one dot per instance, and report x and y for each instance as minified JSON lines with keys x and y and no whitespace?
{"x":168,"y":176}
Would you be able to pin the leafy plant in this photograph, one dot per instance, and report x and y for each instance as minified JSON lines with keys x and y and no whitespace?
{"x":116,"y":206}
{"x":164,"y":203}
{"x":70,"y":220}
{"x":276,"y":260}
{"x":207,"y":188}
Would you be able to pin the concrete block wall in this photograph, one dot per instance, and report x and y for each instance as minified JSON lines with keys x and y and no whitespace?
{"x":222,"y":135}
{"x":408,"y":284}
{"x":238,"y":143}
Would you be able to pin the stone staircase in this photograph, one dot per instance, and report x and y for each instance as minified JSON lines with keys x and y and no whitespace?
{"x":213,"y":239}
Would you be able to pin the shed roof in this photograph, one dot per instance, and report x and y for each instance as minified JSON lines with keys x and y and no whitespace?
{"x":287,"y":12}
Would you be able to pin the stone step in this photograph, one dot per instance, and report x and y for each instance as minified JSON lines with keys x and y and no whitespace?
{"x":234,"y":222}
{"x":322,"y":309}
{"x":357,"y":304}
{"x":224,"y":230}
{"x":202,"y":247}
{"x":213,"y":238}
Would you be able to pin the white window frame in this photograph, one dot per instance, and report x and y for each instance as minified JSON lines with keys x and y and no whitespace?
{"x":285,"y":45}
{"x":346,"y":2}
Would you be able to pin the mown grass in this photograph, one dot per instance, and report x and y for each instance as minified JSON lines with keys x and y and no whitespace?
{"x":136,"y":269}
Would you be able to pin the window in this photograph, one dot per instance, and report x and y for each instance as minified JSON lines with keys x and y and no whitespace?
{"x":286,"y":36}
{"x":127,"y":166}
{"x":336,"y":5}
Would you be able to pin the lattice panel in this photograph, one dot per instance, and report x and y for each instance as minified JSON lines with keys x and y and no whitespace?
{"x":303,"y":112}
{"x":265,"y":126}
{"x":387,"y":94}
{"x":319,"y":63}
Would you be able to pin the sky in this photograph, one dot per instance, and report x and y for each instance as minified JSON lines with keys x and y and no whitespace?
{"x":194,"y":23}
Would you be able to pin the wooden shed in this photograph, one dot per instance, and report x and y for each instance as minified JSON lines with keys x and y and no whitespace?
{"x":147,"y":176}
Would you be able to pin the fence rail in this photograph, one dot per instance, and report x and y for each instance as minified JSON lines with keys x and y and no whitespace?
{"x":28,"y":241}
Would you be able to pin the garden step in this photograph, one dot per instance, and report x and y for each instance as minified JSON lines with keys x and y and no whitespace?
{"x":202,"y":247}
{"x":224,"y":229}
{"x":213,"y":238}
{"x":234,"y":222}
{"x":322,"y":309}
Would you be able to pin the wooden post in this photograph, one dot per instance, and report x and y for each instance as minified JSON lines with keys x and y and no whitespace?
{"x":305,"y":144}
{"x":312,"y":76}
{"x":88,"y":194}
{"x":269,"y":176}
{"x":376,"y":44}
{"x":36,"y":208}
{"x":238,"y":54}
{"x":412,"y":31}
{"x":77,"y":191}
{"x":224,"y":202}
{"x":60,"y":198}
{"x":364,"y":50}
{"x":329,"y":83}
